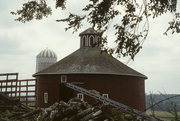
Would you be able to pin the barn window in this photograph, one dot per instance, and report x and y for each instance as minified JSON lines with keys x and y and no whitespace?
{"x":84,"y":41}
{"x":105,"y":96}
{"x":45,"y":97}
{"x":80,"y":96}
{"x":91,"y":40}
{"x":63,"y":78}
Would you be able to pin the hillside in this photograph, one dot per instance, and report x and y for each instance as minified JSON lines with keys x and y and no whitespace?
{"x":167,"y":105}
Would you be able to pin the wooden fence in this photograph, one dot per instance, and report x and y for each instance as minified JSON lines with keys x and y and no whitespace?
{"x":24,"y":90}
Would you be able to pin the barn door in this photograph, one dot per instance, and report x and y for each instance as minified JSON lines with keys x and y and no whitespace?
{"x":65,"y":93}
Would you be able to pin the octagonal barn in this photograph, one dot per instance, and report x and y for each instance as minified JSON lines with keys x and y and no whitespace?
{"x":88,"y":68}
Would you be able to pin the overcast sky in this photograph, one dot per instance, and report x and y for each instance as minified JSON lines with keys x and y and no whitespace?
{"x":20,"y":43}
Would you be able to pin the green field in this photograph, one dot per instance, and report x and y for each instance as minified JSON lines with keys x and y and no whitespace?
{"x":166,"y":116}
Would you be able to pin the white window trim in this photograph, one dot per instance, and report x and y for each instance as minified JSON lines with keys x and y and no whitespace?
{"x":63,"y":77}
{"x":79,"y":95}
{"x":45,"y":97}
{"x":105,"y":96}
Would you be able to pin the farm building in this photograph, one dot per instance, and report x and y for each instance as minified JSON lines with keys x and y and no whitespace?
{"x":90,"y":69}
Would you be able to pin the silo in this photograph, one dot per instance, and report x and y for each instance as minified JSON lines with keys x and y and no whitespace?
{"x":45,"y":59}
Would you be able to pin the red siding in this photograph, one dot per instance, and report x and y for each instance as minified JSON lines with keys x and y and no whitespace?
{"x":124,"y":89}
{"x":49,"y":84}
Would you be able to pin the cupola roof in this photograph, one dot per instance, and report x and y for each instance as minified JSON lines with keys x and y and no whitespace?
{"x":88,"y":31}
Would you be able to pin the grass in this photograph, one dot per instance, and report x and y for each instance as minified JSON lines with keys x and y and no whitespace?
{"x":163,"y":115}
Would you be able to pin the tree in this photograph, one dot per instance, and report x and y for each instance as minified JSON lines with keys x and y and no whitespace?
{"x":131,"y":30}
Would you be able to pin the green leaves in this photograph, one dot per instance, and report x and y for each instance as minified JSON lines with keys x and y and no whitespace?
{"x":128,"y":17}
{"x":127,"y":43}
{"x":74,"y":21}
{"x":100,"y":14}
{"x":32,"y":10}
{"x":159,"y":7}
{"x":174,"y":25}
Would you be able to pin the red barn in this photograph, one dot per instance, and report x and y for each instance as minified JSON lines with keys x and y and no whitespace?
{"x":87,"y":67}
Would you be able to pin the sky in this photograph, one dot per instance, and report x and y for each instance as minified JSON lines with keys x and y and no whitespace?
{"x":159,"y":58}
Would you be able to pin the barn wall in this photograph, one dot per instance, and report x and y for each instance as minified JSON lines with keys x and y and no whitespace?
{"x":125,"y":89}
{"x":50,"y":85}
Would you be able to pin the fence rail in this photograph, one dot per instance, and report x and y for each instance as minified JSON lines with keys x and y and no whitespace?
{"x":24,"y":90}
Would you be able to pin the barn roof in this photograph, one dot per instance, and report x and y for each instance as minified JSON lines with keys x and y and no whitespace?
{"x":90,"y":60}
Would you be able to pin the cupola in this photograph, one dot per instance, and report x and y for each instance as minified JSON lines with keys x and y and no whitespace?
{"x":89,"y":38}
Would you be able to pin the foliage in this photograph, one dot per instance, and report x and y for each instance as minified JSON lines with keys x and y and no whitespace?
{"x":167,"y":104}
{"x":132,"y":26}
{"x":4,"y":115}
{"x":33,"y":10}
{"x":162,"y":102}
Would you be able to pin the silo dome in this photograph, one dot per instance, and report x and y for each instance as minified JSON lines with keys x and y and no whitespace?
{"x":45,"y":58}
{"x":47,"y":53}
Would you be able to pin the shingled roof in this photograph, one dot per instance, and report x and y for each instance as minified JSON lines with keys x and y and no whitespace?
{"x":90,"y":61}
{"x":88,"y":31}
